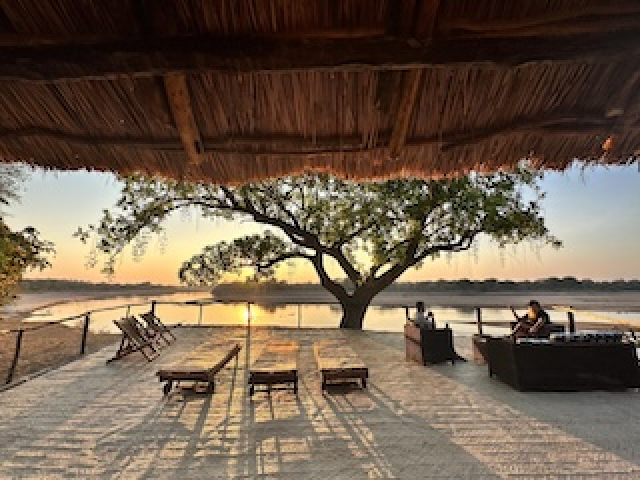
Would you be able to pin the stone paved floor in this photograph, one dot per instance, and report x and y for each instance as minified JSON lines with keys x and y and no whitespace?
{"x":92,"y":420}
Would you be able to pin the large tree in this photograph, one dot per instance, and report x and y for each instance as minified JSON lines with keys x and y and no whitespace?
{"x":20,"y":250}
{"x":372,"y":231}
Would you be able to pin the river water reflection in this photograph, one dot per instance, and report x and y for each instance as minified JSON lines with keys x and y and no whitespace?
{"x":202,"y":310}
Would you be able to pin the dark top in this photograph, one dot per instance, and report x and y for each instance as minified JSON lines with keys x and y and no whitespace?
{"x":540,"y":315}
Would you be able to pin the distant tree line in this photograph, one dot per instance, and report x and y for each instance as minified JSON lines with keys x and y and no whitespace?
{"x":543,"y":285}
{"x":57,"y":285}
{"x":552,"y":284}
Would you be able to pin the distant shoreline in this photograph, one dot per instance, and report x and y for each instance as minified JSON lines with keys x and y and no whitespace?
{"x":28,"y":302}
{"x":628,"y":302}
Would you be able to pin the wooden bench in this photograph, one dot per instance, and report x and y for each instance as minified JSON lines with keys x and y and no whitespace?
{"x":133,"y":341}
{"x":276,"y":365}
{"x":338,"y":362}
{"x":201,"y":365}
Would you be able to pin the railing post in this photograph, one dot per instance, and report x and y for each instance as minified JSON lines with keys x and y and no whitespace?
{"x":85,"y":331}
{"x":153,"y":307}
{"x":200,"y":315}
{"x":16,"y":354}
{"x":247,"y":357}
{"x":479,"y":319}
{"x":299,"y":315}
{"x":406,"y":312}
{"x":572,"y":322}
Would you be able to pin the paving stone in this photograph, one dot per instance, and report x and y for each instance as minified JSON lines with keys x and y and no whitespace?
{"x":88,"y":419}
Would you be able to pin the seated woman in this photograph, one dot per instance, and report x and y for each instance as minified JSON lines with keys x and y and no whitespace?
{"x":533,"y":323}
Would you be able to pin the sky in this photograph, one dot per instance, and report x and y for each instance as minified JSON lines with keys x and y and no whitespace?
{"x":595,"y":212}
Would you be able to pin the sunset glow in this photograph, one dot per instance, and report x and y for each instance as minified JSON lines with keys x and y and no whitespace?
{"x":596,"y":214}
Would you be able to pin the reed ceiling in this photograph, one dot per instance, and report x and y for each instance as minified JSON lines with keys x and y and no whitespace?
{"x":229,"y":91}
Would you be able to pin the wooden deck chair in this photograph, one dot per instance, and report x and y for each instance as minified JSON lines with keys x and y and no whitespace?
{"x":154,"y":322}
{"x":153,"y":331}
{"x":198,"y":367}
{"x":276,"y":365}
{"x":337,"y":361}
{"x":149,"y":334}
{"x":132,"y":341}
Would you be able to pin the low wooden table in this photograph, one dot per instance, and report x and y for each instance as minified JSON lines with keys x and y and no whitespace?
{"x":338,"y":362}
{"x":276,"y":365}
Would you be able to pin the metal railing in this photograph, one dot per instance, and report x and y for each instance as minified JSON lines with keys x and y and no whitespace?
{"x":86,"y":318}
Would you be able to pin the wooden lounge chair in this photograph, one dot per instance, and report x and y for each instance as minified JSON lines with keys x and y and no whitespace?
{"x":276,"y":365}
{"x":153,"y":322}
{"x":337,"y":361}
{"x":147,"y":333}
{"x":133,"y":341}
{"x":201,"y":366}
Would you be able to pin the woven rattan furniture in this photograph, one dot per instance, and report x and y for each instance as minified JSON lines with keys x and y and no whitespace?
{"x":429,"y":345}
{"x":556,"y":366}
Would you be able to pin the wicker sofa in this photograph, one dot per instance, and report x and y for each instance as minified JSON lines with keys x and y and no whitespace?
{"x":536,"y":364}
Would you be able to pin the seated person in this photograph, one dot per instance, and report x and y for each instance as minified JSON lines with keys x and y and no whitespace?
{"x":532,"y":323}
{"x":423,"y":319}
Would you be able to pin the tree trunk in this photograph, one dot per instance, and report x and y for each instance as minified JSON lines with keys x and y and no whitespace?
{"x":353,"y":315}
{"x":354,"y":308}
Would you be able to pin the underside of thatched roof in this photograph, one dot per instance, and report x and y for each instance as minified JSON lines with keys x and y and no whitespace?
{"x":235,"y":90}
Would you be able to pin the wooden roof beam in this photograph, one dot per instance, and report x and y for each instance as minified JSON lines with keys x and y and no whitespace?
{"x":161,"y":56}
{"x":180,"y":105}
{"x":405,"y":112}
{"x":586,"y":123}
{"x":427,"y":12}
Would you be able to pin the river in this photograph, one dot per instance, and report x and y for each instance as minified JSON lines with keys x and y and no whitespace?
{"x":202,"y":310}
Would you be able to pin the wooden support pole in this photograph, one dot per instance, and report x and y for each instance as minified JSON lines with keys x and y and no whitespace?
{"x":180,"y":104}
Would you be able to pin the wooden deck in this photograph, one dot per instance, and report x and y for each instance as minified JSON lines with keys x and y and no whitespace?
{"x":92,"y":420}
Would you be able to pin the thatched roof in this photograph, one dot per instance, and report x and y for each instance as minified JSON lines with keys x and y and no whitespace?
{"x":234,"y":90}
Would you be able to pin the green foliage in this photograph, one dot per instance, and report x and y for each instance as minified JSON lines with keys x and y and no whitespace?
{"x":19,"y":250}
{"x":567,"y":284}
{"x":398,"y":223}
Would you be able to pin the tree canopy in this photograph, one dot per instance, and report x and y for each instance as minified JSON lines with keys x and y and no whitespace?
{"x":373,"y":231}
{"x":19,"y":250}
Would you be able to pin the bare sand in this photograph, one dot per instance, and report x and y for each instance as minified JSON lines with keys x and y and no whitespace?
{"x":46,"y":346}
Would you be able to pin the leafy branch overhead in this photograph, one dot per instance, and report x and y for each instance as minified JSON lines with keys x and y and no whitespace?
{"x":373,"y":231}
{"x":20,"y":250}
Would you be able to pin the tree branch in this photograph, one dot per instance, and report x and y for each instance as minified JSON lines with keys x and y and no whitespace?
{"x":336,"y":289}
{"x":283,"y":257}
